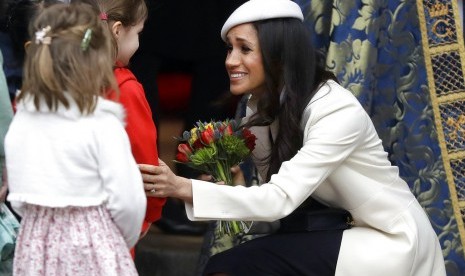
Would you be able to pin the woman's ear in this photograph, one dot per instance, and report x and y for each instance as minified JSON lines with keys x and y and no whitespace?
{"x":116,"y":28}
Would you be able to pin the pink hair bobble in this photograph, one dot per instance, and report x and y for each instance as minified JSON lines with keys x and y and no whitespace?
{"x":103,"y":16}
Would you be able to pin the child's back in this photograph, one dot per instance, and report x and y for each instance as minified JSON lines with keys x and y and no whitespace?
{"x":71,"y":171}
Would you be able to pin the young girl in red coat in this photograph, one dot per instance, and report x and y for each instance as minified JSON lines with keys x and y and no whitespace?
{"x":125,"y":20}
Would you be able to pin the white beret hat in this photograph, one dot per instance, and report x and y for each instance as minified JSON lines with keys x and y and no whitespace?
{"x":255,"y":10}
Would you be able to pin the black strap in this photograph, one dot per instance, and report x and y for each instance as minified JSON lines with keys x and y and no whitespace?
{"x":316,"y":217}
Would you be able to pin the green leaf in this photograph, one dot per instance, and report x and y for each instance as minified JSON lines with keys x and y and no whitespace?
{"x":204,"y":155}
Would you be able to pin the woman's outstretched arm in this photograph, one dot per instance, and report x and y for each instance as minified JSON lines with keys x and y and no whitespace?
{"x":165,"y":182}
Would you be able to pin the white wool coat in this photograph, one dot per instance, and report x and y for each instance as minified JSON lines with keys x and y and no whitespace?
{"x":342,"y":164}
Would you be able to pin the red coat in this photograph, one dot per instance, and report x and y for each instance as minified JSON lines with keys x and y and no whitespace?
{"x":141,"y":131}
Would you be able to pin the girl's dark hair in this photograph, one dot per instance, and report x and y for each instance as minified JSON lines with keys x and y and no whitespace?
{"x":293,"y":67}
{"x":128,"y":12}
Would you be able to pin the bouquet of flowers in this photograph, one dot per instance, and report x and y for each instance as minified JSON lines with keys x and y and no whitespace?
{"x":213,"y":148}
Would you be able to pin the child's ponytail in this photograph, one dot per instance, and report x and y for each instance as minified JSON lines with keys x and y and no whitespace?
{"x":44,"y":61}
{"x":69,"y":58}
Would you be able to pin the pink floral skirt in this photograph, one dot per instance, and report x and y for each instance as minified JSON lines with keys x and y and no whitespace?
{"x":70,"y":241}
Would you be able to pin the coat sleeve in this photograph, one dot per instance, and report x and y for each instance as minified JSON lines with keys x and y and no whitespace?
{"x":332,"y":132}
{"x":120,"y":175}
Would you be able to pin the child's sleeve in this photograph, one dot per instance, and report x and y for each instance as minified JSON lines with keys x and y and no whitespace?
{"x":122,"y":181}
{"x":142,"y":134}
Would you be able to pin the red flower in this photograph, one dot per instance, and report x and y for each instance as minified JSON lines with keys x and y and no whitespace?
{"x":181,"y":157}
{"x":197,"y":144}
{"x":225,"y":129}
{"x":184,"y":151}
{"x":249,"y":138}
{"x":184,"y":148}
{"x":207,"y":136}
{"x":228,"y":130}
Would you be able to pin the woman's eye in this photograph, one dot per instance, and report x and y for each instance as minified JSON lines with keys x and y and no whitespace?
{"x":229,"y":48}
{"x":245,"y":49}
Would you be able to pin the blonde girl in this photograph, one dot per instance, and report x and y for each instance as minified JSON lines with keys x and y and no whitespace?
{"x":70,"y":169}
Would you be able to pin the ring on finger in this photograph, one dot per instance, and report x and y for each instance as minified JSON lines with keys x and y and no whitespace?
{"x":152,"y":191}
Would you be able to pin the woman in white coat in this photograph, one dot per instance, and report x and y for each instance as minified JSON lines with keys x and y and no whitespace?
{"x":314,"y":140}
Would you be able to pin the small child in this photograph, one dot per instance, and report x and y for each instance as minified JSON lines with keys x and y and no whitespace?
{"x":125,"y":20}
{"x":70,"y":169}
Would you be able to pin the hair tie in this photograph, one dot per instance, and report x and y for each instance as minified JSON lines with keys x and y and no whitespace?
{"x":103,"y":16}
{"x":86,"y":40}
{"x":41,"y":36}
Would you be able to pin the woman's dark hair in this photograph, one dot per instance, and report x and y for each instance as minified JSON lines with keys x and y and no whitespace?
{"x":292,"y":66}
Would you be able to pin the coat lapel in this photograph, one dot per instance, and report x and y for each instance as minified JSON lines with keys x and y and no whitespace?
{"x":263,"y":143}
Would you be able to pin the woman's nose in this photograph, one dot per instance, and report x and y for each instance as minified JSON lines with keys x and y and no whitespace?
{"x":232,"y":59}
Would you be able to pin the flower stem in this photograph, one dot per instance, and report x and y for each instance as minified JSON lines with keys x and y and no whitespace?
{"x":221,"y":173}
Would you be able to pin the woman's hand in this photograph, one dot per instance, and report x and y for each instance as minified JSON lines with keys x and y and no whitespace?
{"x":160,"y":181}
{"x":238,"y":177}
{"x":146,"y":171}
{"x":205,"y":177}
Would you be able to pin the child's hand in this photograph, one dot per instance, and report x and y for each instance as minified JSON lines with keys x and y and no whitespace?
{"x":3,"y":190}
{"x":4,"y":187}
